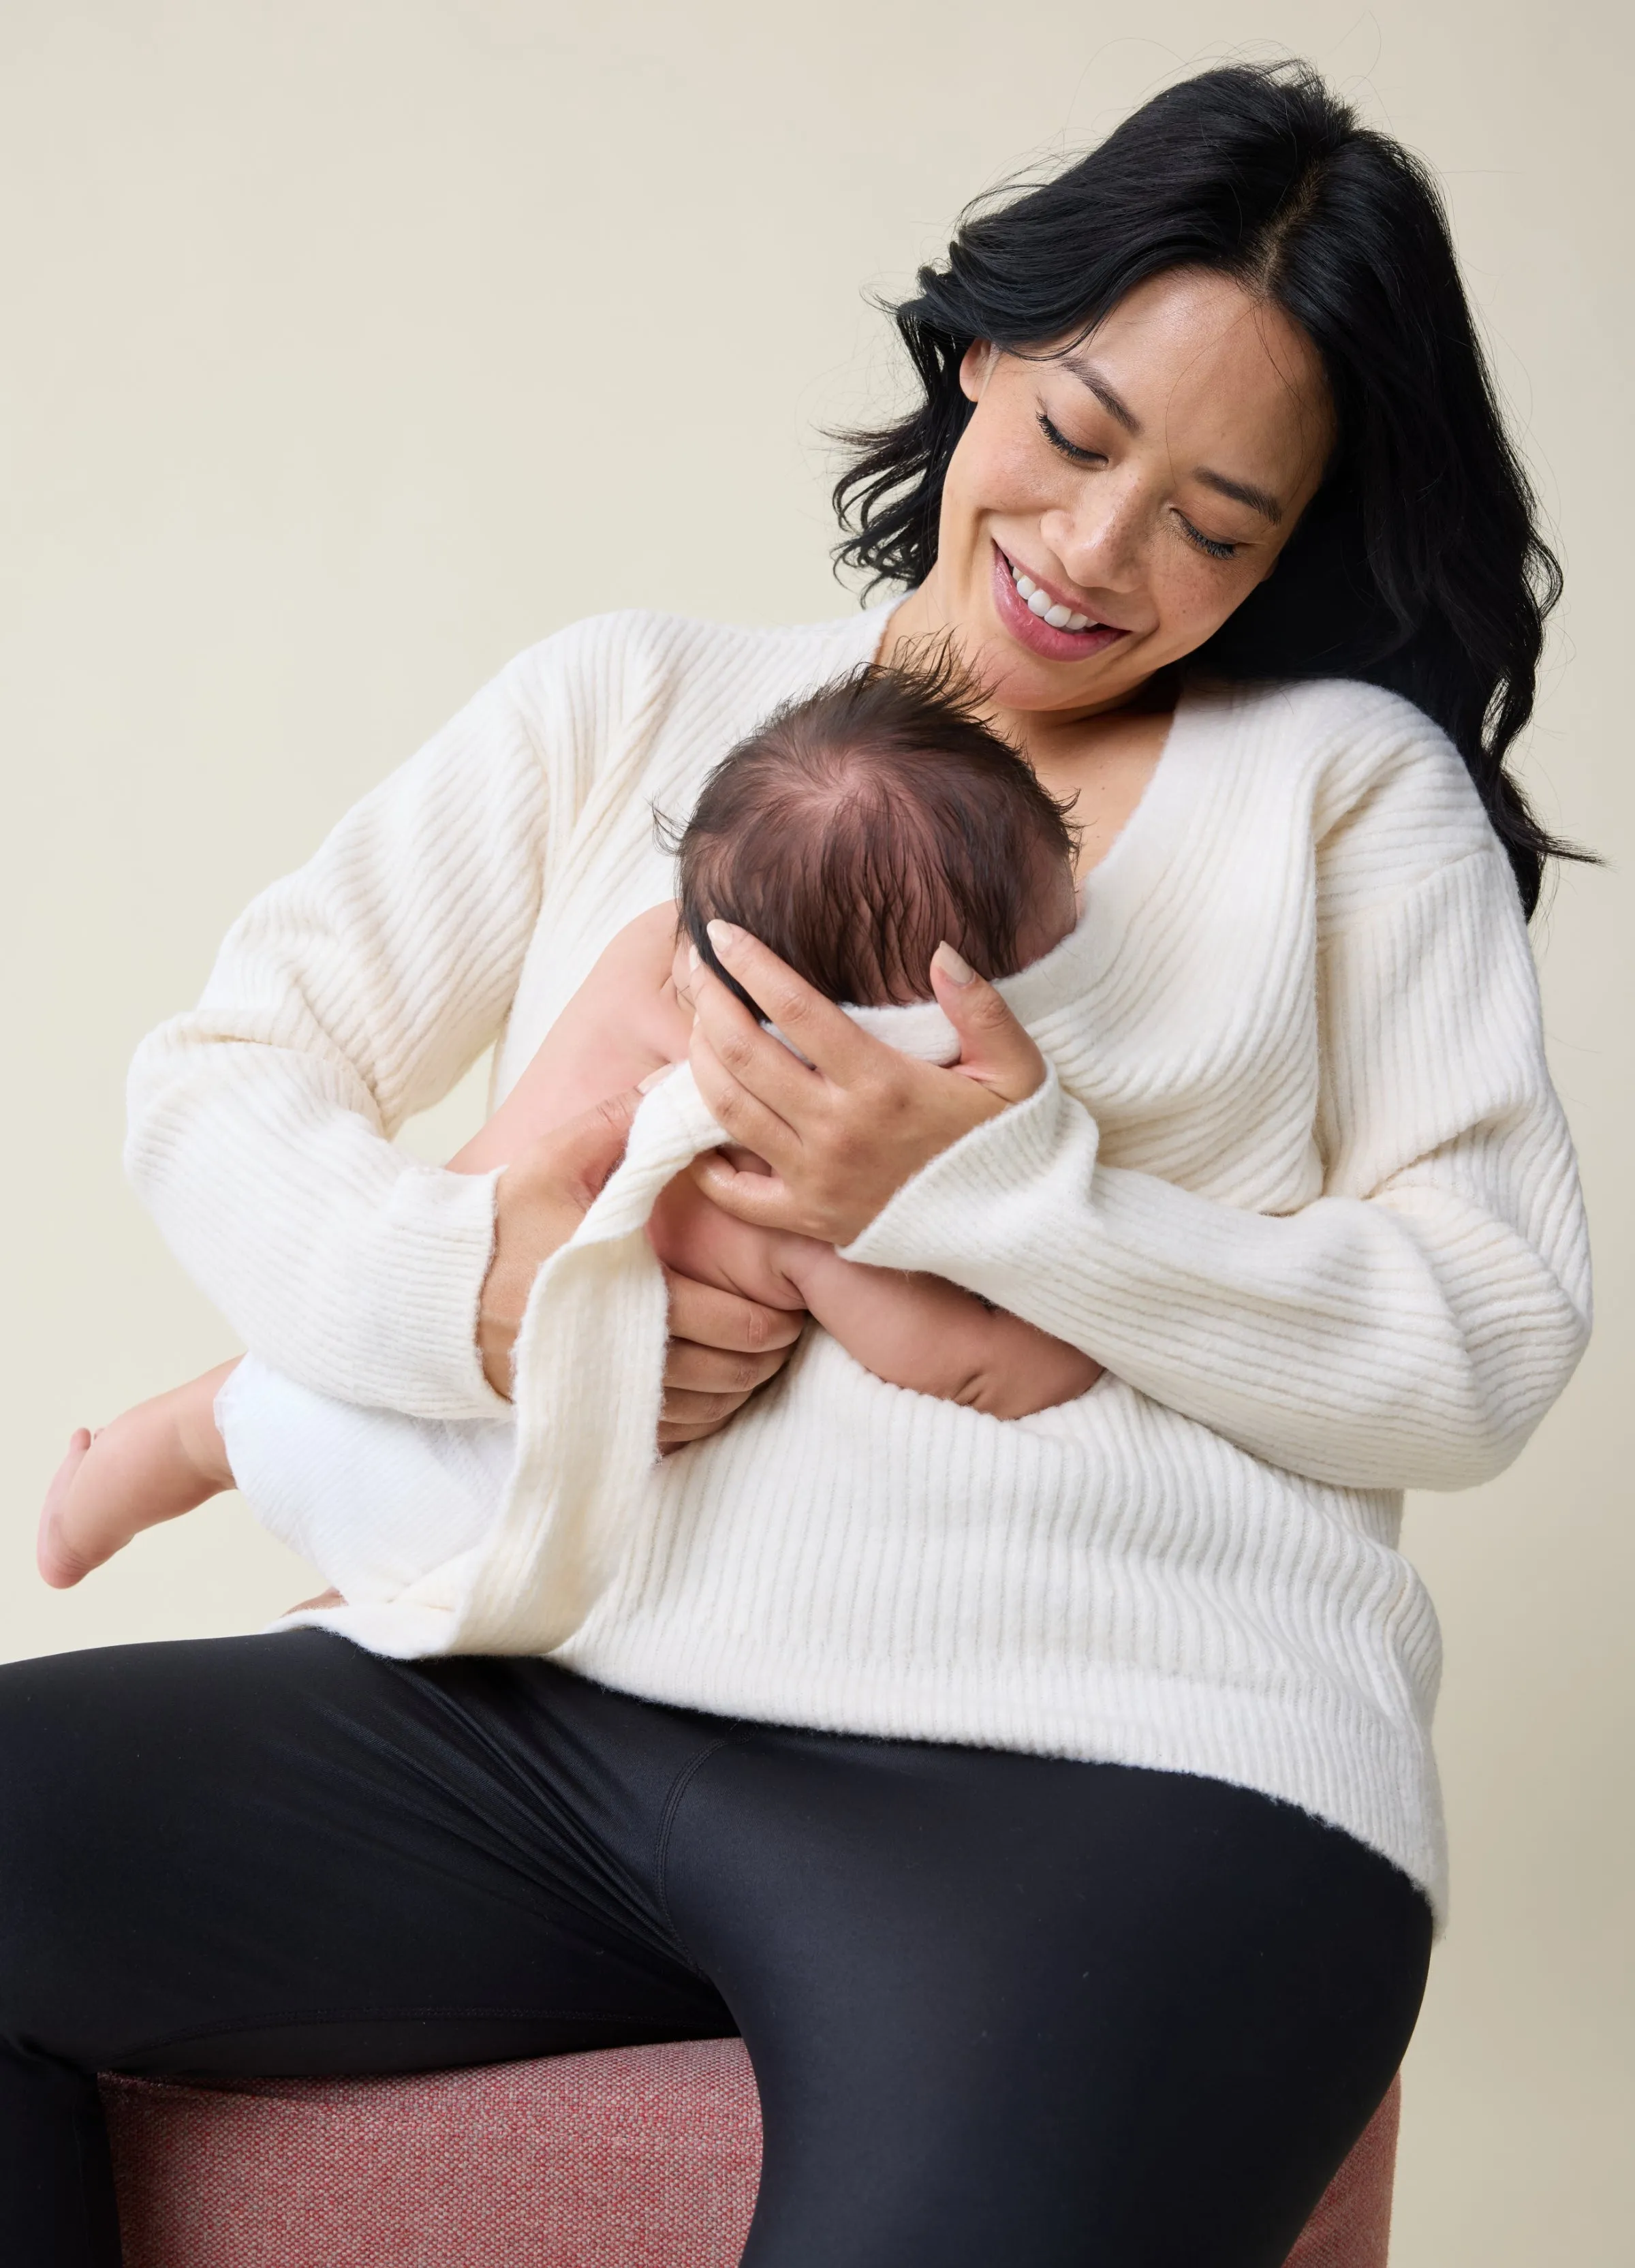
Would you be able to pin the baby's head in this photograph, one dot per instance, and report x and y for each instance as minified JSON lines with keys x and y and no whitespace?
{"x":858,"y":829}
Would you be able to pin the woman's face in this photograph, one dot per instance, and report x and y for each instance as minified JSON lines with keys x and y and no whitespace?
{"x":1138,"y":484}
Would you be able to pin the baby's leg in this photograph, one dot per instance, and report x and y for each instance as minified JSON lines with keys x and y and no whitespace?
{"x":373,"y":1499}
{"x":160,"y":1459}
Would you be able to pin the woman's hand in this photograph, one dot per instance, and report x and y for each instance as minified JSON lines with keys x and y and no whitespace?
{"x":721,"y":1347}
{"x":842,"y":1131}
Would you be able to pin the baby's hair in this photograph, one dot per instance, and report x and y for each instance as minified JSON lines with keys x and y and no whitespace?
{"x":856,"y":828}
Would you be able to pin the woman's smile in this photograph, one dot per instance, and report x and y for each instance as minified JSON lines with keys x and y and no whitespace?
{"x":1037,"y":615}
{"x":1101,"y":519}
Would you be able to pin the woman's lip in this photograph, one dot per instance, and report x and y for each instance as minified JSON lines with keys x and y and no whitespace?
{"x":1033,"y":631}
{"x":1052,"y":590}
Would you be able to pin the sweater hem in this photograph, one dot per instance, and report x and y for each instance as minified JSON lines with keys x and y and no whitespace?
{"x":1325,"y":1751}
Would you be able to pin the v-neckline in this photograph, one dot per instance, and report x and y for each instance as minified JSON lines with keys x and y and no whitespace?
{"x":1122,"y":879}
{"x":1134,"y":821}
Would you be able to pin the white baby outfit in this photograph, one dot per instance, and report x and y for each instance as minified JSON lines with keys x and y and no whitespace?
{"x":1297,"y":1178}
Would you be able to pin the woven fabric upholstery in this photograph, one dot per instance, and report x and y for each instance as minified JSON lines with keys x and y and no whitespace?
{"x":632,"y":2158}
{"x":1351,"y":2227}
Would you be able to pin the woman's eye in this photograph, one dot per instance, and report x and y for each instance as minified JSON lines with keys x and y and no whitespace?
{"x":1071,"y":450}
{"x":1210,"y":543}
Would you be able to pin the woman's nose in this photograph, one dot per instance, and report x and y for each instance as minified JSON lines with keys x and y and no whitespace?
{"x":1101,"y":539}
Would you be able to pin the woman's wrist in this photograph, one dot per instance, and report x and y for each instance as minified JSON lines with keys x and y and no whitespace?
{"x":721,"y":1347}
{"x":539,"y":1201}
{"x":977,"y":1197}
{"x":389,"y":1323}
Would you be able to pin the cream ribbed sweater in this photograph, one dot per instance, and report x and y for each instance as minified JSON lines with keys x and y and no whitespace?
{"x":1298,"y":1179}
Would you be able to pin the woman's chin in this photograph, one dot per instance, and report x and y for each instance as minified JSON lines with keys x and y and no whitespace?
{"x":1021,"y":679}
{"x":1005,"y":659}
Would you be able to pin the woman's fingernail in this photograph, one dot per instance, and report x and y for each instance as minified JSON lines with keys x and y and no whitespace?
{"x":725,"y":937}
{"x":954,"y":965}
{"x":646,"y":1085}
{"x":695,"y":959}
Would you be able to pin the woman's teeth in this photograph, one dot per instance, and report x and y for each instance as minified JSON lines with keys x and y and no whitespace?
{"x":1059,"y":617}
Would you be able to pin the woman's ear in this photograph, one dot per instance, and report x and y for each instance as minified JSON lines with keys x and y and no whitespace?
{"x":975,"y":364}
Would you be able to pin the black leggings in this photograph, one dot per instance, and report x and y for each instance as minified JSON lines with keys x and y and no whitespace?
{"x":1000,"y":2008}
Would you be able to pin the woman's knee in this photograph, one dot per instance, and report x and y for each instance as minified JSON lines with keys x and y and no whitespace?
{"x":110,"y":1763}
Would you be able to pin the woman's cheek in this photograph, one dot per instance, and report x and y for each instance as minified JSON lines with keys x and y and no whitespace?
{"x":993,"y":473}
{"x":1193,"y":603}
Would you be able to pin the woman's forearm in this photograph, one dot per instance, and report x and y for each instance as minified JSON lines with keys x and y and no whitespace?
{"x":1411,"y":1339}
{"x":1408,"y":1328}
{"x":343,"y":1262}
{"x":349,"y":995}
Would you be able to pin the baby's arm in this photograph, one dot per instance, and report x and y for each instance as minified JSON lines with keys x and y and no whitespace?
{"x":917,"y":1332}
{"x":625,"y":1022}
{"x":922,"y":1332}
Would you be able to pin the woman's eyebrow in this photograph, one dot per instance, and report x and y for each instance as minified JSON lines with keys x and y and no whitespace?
{"x":1090,"y":377}
{"x":1260,"y":500}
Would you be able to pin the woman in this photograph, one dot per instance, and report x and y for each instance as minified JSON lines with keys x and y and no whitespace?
{"x":1071,"y":1875}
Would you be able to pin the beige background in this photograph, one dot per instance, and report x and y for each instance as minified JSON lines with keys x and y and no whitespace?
{"x":352,"y":346}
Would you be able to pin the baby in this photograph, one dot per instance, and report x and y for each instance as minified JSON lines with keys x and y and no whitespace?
{"x":852,"y":833}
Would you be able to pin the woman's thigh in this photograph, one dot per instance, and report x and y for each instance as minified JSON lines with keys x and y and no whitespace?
{"x":999,"y":2008}
{"x":285,"y":1855}
{"x":1007,"y":2008}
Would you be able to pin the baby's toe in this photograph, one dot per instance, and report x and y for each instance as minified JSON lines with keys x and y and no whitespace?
{"x":56,"y":1560}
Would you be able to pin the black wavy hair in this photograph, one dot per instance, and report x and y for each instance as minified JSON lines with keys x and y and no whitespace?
{"x":1418,"y":565}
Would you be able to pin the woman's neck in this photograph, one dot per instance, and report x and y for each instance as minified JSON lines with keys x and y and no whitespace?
{"x":1102,"y":769}
{"x":1098,"y":759}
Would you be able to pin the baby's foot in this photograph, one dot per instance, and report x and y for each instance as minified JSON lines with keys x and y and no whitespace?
{"x":59,"y":1564}
{"x":148,"y":1464}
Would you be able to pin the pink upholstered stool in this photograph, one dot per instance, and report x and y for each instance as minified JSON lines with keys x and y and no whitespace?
{"x":633,"y":2158}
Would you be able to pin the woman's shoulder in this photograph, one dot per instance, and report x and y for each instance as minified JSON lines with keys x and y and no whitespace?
{"x":1391,"y":800}
{"x":1347,"y":734}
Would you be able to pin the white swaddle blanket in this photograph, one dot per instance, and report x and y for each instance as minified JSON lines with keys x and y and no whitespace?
{"x":451,"y":1538}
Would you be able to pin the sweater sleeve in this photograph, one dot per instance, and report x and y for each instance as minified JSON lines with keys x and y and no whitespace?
{"x":349,"y":995}
{"x":1410,"y":1327}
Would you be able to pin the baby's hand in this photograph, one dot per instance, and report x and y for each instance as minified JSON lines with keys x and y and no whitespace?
{"x":696,"y":1238}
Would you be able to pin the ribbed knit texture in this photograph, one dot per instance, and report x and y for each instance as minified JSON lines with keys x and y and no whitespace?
{"x":1298,"y":1179}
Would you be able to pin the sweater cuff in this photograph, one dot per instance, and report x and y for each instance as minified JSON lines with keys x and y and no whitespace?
{"x":424,"y":1258}
{"x":978,"y":1209}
